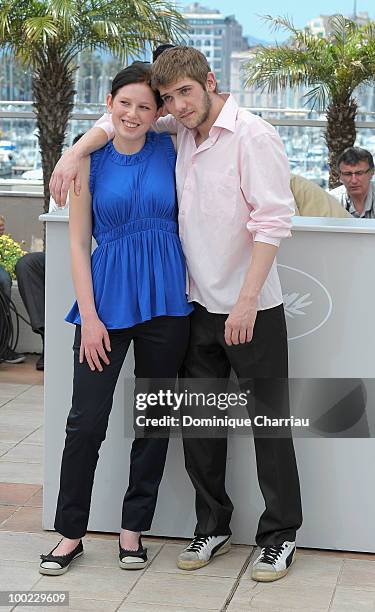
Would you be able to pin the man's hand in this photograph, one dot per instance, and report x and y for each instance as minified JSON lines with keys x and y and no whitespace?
{"x":66,"y":171}
{"x":240,"y":322}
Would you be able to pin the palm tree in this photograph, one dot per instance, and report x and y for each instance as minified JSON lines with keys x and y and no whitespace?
{"x":332,"y":67}
{"x":47,"y":35}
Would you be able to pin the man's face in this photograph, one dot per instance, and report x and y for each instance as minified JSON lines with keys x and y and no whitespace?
{"x":187,"y":101}
{"x":356,"y":178}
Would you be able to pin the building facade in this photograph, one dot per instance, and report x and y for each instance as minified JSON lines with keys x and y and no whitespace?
{"x":216,"y":36}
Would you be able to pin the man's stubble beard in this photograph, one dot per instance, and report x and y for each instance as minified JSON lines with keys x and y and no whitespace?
{"x":203,"y":113}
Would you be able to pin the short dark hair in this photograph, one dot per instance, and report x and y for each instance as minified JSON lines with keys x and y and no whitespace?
{"x":354,"y":155}
{"x":137,"y":72}
{"x":160,"y":49}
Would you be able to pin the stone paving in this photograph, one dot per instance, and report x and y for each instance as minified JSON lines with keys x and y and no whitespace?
{"x":319,"y":581}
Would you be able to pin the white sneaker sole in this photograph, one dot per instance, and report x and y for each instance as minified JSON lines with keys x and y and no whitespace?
{"x":197,"y":563}
{"x":132,"y":565}
{"x":263,"y":576}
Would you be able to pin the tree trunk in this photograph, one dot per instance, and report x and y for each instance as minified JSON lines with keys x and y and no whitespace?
{"x":340,"y":134}
{"x":53,"y":91}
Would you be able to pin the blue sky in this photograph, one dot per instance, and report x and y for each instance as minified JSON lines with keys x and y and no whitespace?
{"x":246,"y":12}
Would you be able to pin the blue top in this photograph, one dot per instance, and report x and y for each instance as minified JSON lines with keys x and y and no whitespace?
{"x":138,"y":268}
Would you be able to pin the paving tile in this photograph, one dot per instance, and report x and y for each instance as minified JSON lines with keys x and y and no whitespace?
{"x":308,"y":569}
{"x":5,"y":447}
{"x":16,"y":493}
{"x":243,"y":596}
{"x":75,"y":605}
{"x":21,"y":373}
{"x":94,"y":535}
{"x":35,"y":391}
{"x":202,"y":592}
{"x":348,"y":600}
{"x":359,"y":574}
{"x":11,"y":418}
{"x":104,"y":553}
{"x":25,"y":547}
{"x":280,"y":598}
{"x":102,"y":583}
{"x":14,"y":434}
{"x":24,"y":520}
{"x":228,"y":565}
{"x":10,"y":390}
{"x":28,"y":453}
{"x":19,"y":472}
{"x":21,"y":577}
{"x":28,"y":404}
{"x":6,"y":512}
{"x":36,"y":501}
{"x":36,"y":437}
{"x":338,"y":554}
{"x":133,"y":607}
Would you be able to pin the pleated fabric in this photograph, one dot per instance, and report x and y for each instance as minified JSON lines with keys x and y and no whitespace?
{"x":138,"y":268}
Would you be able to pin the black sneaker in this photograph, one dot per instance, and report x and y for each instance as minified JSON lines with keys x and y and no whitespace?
{"x":201,"y":550}
{"x":13,"y":357}
{"x":273,"y":562}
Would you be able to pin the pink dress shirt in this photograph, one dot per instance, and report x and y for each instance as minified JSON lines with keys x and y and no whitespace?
{"x":232,"y":190}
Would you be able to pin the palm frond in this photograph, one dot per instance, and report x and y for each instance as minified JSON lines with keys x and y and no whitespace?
{"x":39,"y":29}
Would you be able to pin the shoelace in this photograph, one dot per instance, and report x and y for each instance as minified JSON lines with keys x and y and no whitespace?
{"x":198,"y":543}
{"x":270,"y":554}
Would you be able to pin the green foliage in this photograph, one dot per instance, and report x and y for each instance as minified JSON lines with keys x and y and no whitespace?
{"x":10,"y":253}
{"x":332,"y":67}
{"x":28,"y":28}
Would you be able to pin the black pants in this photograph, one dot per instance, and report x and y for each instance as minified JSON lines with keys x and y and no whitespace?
{"x":262,"y":364}
{"x":30,"y":272}
{"x":159,"y":348}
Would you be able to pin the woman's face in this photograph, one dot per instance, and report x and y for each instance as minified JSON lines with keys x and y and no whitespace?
{"x":133,"y":110}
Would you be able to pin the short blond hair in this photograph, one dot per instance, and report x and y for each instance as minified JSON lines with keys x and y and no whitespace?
{"x":178,"y":63}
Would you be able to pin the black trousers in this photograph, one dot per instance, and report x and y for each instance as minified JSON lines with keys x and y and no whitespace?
{"x":30,"y":273}
{"x":159,"y":349}
{"x":261,"y":364}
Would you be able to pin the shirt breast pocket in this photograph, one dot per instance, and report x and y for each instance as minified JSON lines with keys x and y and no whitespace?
{"x":220,"y":195}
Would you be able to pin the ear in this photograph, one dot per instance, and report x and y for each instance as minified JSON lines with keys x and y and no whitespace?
{"x":109,"y":102}
{"x":211,"y":82}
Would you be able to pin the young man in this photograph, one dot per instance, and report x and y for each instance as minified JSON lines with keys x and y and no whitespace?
{"x":235,"y":205}
{"x":357,"y":192}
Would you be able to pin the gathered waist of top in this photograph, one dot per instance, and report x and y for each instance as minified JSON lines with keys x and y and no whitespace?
{"x":135,"y":227}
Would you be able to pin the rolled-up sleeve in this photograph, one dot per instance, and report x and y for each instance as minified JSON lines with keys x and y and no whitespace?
{"x":105,"y":123}
{"x":265,"y":185}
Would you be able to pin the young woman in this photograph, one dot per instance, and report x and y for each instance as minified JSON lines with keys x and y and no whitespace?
{"x":132,"y":290}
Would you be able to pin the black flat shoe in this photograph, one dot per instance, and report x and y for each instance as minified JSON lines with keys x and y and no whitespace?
{"x":133,"y":559}
{"x":52,"y":565}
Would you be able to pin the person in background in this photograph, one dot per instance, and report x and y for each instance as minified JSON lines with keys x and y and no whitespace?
{"x":313,"y":201}
{"x":357,"y":192}
{"x":10,"y":356}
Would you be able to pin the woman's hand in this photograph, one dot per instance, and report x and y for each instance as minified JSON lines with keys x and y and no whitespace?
{"x":94,"y":343}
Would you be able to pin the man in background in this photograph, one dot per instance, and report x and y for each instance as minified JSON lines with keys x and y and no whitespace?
{"x":357,"y":192}
{"x":9,"y":356}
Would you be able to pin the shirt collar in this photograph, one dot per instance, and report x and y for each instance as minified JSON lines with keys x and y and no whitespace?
{"x":228,"y":114}
{"x":369,"y":202}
